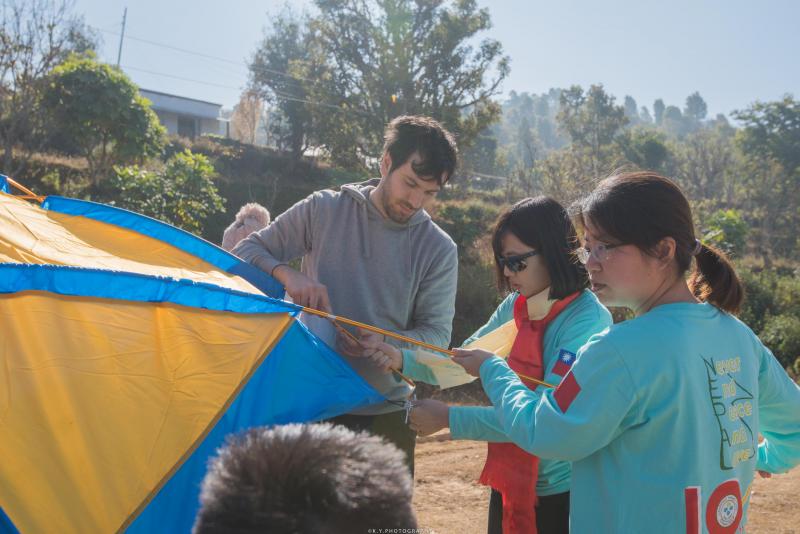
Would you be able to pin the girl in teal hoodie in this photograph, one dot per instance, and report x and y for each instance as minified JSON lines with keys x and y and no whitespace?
{"x":555,"y":314}
{"x":661,"y":414}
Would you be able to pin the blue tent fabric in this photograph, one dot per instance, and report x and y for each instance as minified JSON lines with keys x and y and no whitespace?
{"x":4,"y":183}
{"x":6,"y":526}
{"x":300,"y":380}
{"x":78,"y":281}
{"x":269,"y":398}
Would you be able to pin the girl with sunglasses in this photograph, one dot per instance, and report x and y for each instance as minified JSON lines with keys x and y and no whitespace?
{"x":661,"y":414}
{"x":555,"y":314}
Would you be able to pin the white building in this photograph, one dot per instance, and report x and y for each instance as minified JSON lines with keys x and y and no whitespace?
{"x":187,"y":117}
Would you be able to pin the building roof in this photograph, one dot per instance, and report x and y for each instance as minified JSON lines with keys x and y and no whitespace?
{"x":182,"y":105}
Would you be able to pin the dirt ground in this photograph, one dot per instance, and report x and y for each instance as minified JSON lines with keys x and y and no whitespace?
{"x":448,"y":499}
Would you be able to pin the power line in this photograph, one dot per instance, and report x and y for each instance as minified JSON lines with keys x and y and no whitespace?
{"x":177,"y":49}
{"x":209,"y":56}
{"x":180,"y":78}
{"x":277,"y":94}
{"x":324,"y":104}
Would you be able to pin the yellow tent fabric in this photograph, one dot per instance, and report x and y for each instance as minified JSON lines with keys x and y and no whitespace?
{"x":29,"y":234}
{"x":129,"y":349}
{"x":167,"y":393}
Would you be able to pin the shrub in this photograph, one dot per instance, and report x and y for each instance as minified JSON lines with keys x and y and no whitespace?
{"x":727,"y":230}
{"x":182,"y":193}
{"x":782,"y":335}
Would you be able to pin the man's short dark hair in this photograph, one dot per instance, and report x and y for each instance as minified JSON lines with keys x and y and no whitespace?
{"x":409,"y":134}
{"x":315,"y":478}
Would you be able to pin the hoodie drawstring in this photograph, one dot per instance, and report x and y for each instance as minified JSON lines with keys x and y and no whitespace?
{"x":365,"y":247}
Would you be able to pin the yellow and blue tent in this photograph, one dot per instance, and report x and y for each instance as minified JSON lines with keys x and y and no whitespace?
{"x":129,"y":350}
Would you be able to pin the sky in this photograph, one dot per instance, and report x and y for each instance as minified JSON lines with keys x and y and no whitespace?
{"x":733,"y":52}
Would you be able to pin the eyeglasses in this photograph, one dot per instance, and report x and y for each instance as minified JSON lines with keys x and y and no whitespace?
{"x":515,"y":264}
{"x":600,"y":252}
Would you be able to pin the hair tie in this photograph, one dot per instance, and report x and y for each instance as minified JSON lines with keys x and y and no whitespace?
{"x":698,"y":246}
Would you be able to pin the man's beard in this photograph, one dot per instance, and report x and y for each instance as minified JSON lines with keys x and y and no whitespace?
{"x":395,"y":212}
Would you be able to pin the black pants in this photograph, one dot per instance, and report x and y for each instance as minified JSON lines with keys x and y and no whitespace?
{"x":552,"y":514}
{"x":390,"y":426}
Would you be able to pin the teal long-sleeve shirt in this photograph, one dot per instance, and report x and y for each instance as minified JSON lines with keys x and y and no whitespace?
{"x":660,"y":416}
{"x":573,"y":327}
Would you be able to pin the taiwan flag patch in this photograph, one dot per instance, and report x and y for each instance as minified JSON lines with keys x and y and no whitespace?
{"x":566,"y":392}
{"x":564,"y":363}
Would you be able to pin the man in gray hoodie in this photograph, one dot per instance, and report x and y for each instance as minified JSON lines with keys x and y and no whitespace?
{"x":371,"y":252}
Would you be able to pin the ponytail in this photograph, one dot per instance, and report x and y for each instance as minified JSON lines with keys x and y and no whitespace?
{"x":641,"y":209}
{"x":714,"y":279}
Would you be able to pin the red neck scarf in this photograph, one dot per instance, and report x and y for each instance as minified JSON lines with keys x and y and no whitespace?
{"x":509,"y":469}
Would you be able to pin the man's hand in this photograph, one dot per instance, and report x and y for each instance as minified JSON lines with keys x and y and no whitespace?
{"x":304,"y":291}
{"x":383,"y":355}
{"x":429,"y":416}
{"x":345,"y":344}
{"x":355,"y":348}
{"x":471,"y":360}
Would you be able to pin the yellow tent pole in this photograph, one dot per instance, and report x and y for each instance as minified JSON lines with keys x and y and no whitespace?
{"x":377,"y":330}
{"x":400,"y":337}
{"x":29,"y":195}
{"x":395,"y":371}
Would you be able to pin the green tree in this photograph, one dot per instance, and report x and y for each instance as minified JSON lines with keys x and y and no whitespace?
{"x":592,"y":121}
{"x":530,"y":153}
{"x":772,"y":129}
{"x":696,"y":107}
{"x":481,"y":156}
{"x":372,"y":60}
{"x":181,"y":193}
{"x":468,"y":222}
{"x":280,"y":56}
{"x":782,"y":335}
{"x":727,"y":230}
{"x":103,"y":115}
{"x":707,"y":167}
{"x":770,"y":141}
{"x":35,"y":36}
{"x":645,"y":148}
{"x":631,"y":110}
{"x":644,"y":115}
{"x":538,"y":112}
{"x":674,"y":123}
{"x":658,"y":110}
{"x":562,"y":175}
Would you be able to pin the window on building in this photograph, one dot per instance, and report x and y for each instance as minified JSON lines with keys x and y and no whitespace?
{"x":187,"y":127}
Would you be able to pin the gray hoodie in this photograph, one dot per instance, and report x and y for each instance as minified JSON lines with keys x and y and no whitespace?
{"x":400,"y":277}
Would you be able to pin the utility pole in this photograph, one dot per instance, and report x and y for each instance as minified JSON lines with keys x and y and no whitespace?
{"x":122,"y":35}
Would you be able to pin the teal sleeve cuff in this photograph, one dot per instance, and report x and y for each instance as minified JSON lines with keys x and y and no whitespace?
{"x":477,"y":423}
{"x":769,"y":461}
{"x":416,"y":371}
{"x":761,"y":460}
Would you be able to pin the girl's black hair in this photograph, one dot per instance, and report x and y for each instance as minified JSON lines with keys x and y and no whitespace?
{"x":544,"y":225}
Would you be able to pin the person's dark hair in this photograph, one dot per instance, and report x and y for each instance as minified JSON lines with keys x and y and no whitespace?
{"x":642,"y":208}
{"x":409,"y":134}
{"x":544,"y":225}
{"x":314,"y":478}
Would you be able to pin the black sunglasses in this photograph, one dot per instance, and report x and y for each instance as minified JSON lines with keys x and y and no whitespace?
{"x":516,"y":264}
